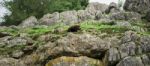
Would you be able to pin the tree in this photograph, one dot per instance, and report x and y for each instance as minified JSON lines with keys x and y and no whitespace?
{"x":21,"y":9}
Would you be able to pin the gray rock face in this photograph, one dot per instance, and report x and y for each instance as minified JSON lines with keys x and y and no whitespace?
{"x":93,"y":7}
{"x":113,"y":8}
{"x":10,"y":62}
{"x":84,"y":15}
{"x":113,"y":56}
{"x":145,"y":59}
{"x":29,"y":22}
{"x":127,"y":49}
{"x":3,"y":34}
{"x":129,"y":36}
{"x":16,"y":41}
{"x":69,"y":17}
{"x":123,"y":24}
{"x":95,"y":10}
{"x":131,"y":61}
{"x":17,"y":54}
{"x":125,"y":16}
{"x":76,"y":45}
{"x":140,"y":6}
{"x":145,"y":44}
{"x":92,"y":12}
{"x":50,"y":19}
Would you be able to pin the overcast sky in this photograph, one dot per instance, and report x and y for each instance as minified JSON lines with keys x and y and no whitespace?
{"x":3,"y":10}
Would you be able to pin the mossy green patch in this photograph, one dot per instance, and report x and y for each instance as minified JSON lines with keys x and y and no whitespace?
{"x":103,"y":27}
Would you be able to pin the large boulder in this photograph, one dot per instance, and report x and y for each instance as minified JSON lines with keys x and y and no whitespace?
{"x":50,"y":19}
{"x":85,"y":15}
{"x":145,"y":44}
{"x":10,"y":62}
{"x":92,"y":12}
{"x":79,"y":45}
{"x":29,"y":22}
{"x":69,"y":17}
{"x":93,"y":7}
{"x":131,"y":61}
{"x":140,"y":6}
{"x":74,"y":61}
{"x":113,"y":8}
{"x":126,"y":16}
{"x":3,"y":34}
{"x":112,"y":56}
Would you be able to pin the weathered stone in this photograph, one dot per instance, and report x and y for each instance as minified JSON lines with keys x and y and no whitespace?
{"x":113,"y":8}
{"x":74,"y":61}
{"x":3,"y":34}
{"x":127,"y":49}
{"x":69,"y":17}
{"x":85,"y":15}
{"x":107,"y":21}
{"x":140,"y":6}
{"x":123,"y":24}
{"x":93,"y":11}
{"x":93,"y":7}
{"x":40,"y":56}
{"x":76,"y":45}
{"x":145,"y":44}
{"x":16,"y":42}
{"x":145,"y":60}
{"x":129,"y":36}
{"x":17,"y":54}
{"x":125,"y":16}
{"x":29,"y":22}
{"x":10,"y":62}
{"x":50,"y":19}
{"x":131,"y":61}
{"x":113,"y":56}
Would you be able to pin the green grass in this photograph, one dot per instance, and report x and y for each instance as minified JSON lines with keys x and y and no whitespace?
{"x":87,"y":25}
{"x":103,"y":27}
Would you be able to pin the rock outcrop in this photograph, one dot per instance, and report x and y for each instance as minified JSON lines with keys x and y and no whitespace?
{"x":10,"y":62}
{"x":100,"y":35}
{"x":139,"y":6}
{"x":29,"y":22}
{"x":74,"y":61}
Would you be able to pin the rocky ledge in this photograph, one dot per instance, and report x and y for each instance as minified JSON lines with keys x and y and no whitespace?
{"x":100,"y":35}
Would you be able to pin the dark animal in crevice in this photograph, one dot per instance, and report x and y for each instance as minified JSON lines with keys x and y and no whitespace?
{"x":74,"y":28}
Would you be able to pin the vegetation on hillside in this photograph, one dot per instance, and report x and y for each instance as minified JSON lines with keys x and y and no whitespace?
{"x":56,"y":31}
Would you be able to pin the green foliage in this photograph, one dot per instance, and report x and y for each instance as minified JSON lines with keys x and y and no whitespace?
{"x":21,"y":9}
{"x":103,"y":27}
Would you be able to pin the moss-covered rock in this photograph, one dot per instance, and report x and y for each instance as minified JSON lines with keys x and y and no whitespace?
{"x":74,"y":61}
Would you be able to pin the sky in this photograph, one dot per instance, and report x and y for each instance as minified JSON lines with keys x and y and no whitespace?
{"x":3,"y":10}
{"x":104,"y":1}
